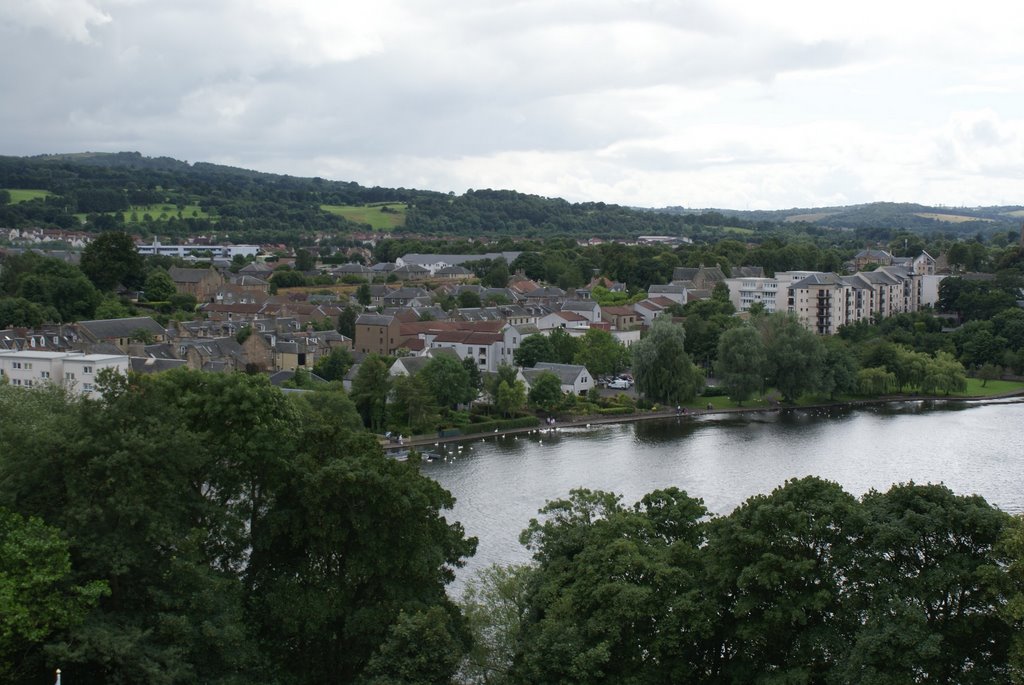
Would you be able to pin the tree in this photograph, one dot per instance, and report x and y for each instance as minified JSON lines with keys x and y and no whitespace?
{"x":370,"y":391}
{"x":468,"y":299}
{"x":476,"y":380}
{"x":37,"y":597}
{"x":333,"y":366}
{"x":779,"y":566}
{"x":413,"y":407}
{"x":742,"y":362}
{"x":304,"y":260}
{"x":422,"y":648}
{"x":111,"y":259}
{"x":546,"y":391}
{"x":614,"y":596}
{"x":532,"y":349}
{"x":347,"y":322}
{"x":363,"y":296}
{"x":931,"y":578}
{"x":564,"y":346}
{"x":448,"y":380}
{"x":989,"y":372}
{"x":495,"y":605}
{"x":875,"y":380}
{"x":601,"y":353}
{"x":841,"y":367}
{"x":796,"y":356}
{"x":159,"y":286}
{"x":661,"y":367}
{"x":943,"y":374}
{"x":510,"y":399}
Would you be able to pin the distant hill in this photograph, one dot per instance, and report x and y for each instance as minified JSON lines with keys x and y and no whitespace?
{"x":893,"y":215}
{"x":172,"y":198}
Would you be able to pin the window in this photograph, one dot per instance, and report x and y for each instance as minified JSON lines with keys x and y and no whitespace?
{"x":86,"y":369}
{"x":15,"y":365}
{"x":69,"y":376}
{"x":44,"y":374}
{"x":87,"y":387}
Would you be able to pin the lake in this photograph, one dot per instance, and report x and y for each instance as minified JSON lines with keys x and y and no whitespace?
{"x":501,"y":482}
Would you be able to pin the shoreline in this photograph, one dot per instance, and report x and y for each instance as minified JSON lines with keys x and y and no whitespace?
{"x":417,"y":441}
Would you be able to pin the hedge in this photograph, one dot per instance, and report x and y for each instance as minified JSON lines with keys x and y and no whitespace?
{"x":502,"y":424}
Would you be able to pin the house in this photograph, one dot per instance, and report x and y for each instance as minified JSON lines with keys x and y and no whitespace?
{"x":484,"y":348}
{"x":453,"y":273}
{"x":574,"y":378}
{"x":651,"y":308}
{"x":588,"y":309}
{"x":673,"y":291}
{"x":74,"y":370}
{"x":120,"y":332}
{"x":621,"y":318}
{"x":410,"y":366}
{"x":377,"y":334}
{"x":200,"y":283}
{"x":512,"y":338}
{"x":703,"y":277}
{"x":567,"y":320}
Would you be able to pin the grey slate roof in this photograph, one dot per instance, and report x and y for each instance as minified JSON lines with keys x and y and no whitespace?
{"x":567,"y":373}
{"x":103,"y":329}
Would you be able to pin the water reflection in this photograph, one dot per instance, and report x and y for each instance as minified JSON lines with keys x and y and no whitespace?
{"x":501,"y":482}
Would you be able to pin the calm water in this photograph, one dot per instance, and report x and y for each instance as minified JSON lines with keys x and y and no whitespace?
{"x":501,"y":483}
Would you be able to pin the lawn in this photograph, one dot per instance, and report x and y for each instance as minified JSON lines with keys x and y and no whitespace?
{"x":370,"y":214}
{"x":22,"y":195}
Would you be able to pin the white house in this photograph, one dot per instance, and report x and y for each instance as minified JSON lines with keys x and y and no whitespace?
{"x":74,"y":370}
{"x":574,"y":378}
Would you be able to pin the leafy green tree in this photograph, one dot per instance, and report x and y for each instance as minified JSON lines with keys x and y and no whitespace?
{"x":931,"y":571}
{"x":111,"y":259}
{"x":37,"y":597}
{"x":943,"y":374}
{"x":304,"y":260}
{"x":875,"y":380}
{"x":334,"y":365}
{"x":506,"y":372}
{"x":347,"y":322}
{"x":532,"y":349}
{"x":497,"y":275}
{"x":841,"y":367}
{"x":476,"y":379}
{"x":363,"y":296}
{"x":495,"y":606}
{"x":615,"y":593}
{"x":17,"y":311}
{"x":546,"y":391}
{"x":510,"y":399}
{"x":796,"y":357}
{"x":468,"y":299}
{"x":742,"y":362}
{"x":601,"y":353}
{"x":564,"y":347}
{"x":370,"y":389}
{"x":661,"y":367}
{"x":413,"y":407}
{"x":159,"y":286}
{"x":449,"y":381}
{"x":779,"y":566}
{"x":422,"y":648}
{"x":989,"y":372}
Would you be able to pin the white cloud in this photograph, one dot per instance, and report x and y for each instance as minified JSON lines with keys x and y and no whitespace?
{"x":641,"y":102}
{"x":67,"y":19}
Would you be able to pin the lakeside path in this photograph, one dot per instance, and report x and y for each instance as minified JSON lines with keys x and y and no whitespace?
{"x":418,"y":441}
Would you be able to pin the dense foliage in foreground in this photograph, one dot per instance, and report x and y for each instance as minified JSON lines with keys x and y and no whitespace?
{"x":805,"y":585}
{"x":222,"y":532}
{"x":194,"y":527}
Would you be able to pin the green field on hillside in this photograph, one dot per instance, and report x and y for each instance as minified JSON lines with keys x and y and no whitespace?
{"x":381,"y":217}
{"x":22,"y":195}
{"x":158,"y":212}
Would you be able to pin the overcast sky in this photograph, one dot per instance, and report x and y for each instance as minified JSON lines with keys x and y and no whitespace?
{"x":731,"y":103}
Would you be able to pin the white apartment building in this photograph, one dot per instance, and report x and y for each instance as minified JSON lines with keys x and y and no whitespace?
{"x":75,"y":370}
{"x":743,"y":292}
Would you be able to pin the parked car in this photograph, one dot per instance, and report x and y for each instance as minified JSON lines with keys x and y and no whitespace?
{"x":620,"y":384}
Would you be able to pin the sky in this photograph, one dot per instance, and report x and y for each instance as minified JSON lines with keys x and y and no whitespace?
{"x":735,"y":104}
